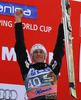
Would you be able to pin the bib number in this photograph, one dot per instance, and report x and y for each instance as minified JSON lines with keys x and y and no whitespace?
{"x":34,"y":82}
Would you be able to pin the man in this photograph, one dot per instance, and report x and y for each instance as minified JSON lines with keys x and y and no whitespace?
{"x":40,"y":78}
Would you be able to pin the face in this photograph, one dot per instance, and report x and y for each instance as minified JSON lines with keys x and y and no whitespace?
{"x":38,"y":55}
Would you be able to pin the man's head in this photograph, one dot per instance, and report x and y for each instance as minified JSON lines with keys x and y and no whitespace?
{"x":38,"y":53}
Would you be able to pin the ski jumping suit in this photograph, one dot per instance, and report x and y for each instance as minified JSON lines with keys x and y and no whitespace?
{"x":36,"y":76}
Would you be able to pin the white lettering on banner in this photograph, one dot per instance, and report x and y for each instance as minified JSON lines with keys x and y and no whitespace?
{"x":45,"y":28}
{"x":6,"y":23}
{"x":7,"y":7}
{"x":28,"y":12}
{"x":9,"y":54}
{"x":1,"y":8}
{"x":30,"y":26}
{"x":12,"y":9}
{"x":27,"y":26}
{"x":80,"y":65}
{"x":34,"y":27}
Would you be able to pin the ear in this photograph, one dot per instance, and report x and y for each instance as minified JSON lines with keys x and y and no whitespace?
{"x":33,"y":58}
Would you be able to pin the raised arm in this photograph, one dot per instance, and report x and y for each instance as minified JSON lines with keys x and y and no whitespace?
{"x":58,"y":52}
{"x":59,"y":47}
{"x":20,"y":48}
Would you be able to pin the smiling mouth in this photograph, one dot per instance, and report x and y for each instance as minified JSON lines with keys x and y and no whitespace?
{"x":39,"y":57}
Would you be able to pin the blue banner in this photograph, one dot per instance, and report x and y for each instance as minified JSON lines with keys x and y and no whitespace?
{"x":10,"y":8}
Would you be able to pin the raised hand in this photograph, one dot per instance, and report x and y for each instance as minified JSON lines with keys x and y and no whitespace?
{"x":18,"y":14}
{"x":50,"y":78}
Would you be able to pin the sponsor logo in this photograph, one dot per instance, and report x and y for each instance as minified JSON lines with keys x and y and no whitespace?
{"x":6,"y":94}
{"x":36,"y":72}
{"x":39,"y":92}
{"x":10,"y":8}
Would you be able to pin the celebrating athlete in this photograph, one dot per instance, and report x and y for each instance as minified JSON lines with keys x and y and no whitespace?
{"x":40,"y":78}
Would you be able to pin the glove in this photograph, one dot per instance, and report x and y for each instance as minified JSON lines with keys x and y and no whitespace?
{"x":50,"y":77}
